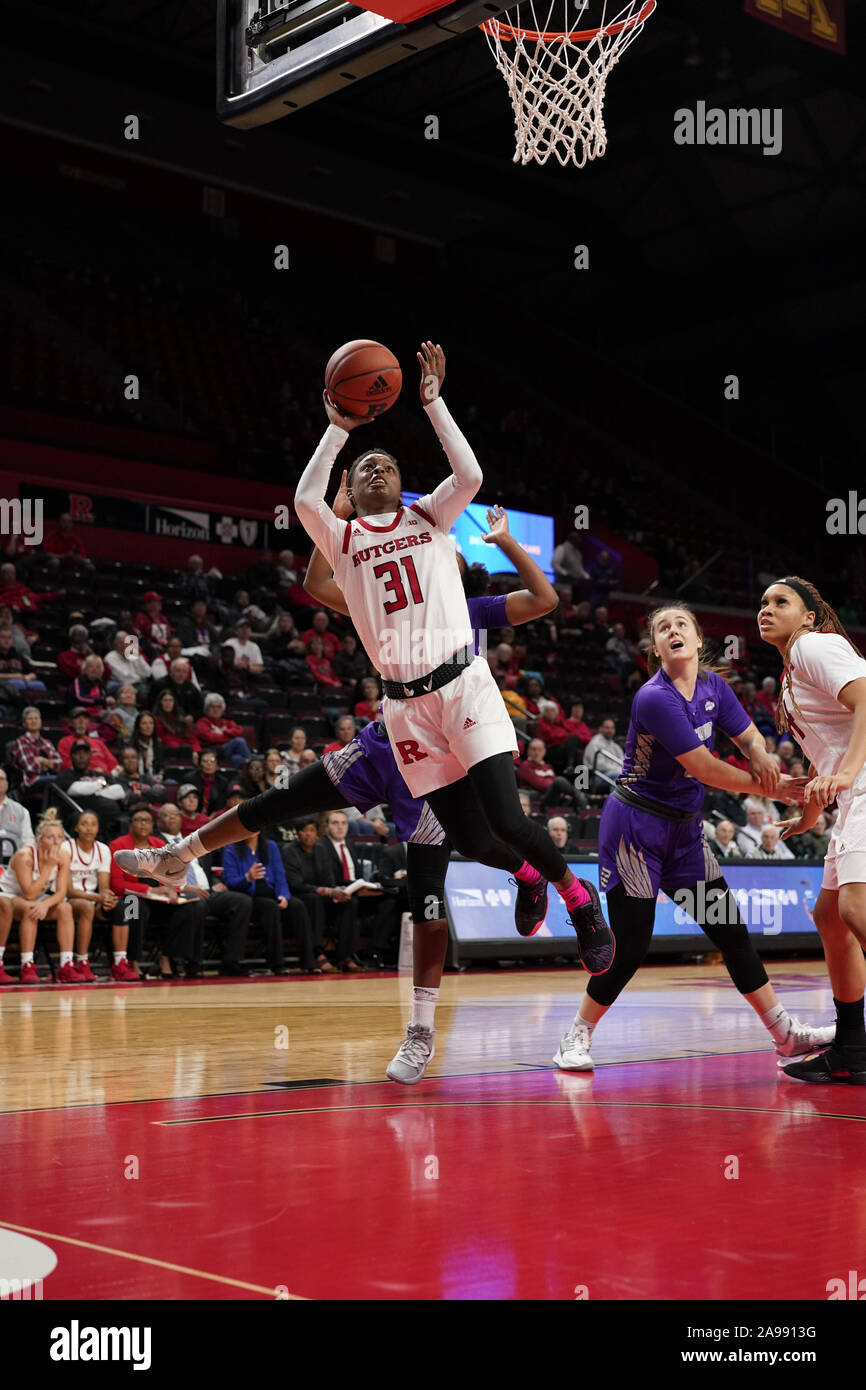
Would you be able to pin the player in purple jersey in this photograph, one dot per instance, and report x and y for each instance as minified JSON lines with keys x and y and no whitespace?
{"x":363,"y":774}
{"x":651,"y":835}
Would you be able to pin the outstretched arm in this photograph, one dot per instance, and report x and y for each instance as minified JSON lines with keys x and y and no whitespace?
{"x":315,"y":515}
{"x":539,"y":596}
{"x":453,"y":495}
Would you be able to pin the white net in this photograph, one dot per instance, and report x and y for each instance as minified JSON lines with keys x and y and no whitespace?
{"x":556,"y":77}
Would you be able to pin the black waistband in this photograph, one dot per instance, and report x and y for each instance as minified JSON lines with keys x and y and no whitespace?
{"x":655,"y":808}
{"x":434,"y":680}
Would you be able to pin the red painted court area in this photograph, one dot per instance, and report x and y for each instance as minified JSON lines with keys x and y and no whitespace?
{"x":524,"y":1184}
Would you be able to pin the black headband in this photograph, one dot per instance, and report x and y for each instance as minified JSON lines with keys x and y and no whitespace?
{"x":802,"y":592}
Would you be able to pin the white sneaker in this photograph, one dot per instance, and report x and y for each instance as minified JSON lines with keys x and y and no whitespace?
{"x":161,"y":864}
{"x":573,"y":1053}
{"x":804,"y":1038}
{"x":414,"y":1055}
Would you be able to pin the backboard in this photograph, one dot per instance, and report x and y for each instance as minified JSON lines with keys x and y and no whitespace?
{"x":274,"y":56}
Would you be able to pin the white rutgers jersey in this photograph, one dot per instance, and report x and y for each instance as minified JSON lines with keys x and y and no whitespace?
{"x":398,"y":570}
{"x":84,"y":868}
{"x":822,"y":664}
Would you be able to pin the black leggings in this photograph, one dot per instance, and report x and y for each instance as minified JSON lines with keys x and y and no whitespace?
{"x":484,"y":819}
{"x":631,"y":920}
{"x":312,"y":791}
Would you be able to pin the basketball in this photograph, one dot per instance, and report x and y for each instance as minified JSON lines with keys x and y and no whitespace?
{"x":363,"y":378}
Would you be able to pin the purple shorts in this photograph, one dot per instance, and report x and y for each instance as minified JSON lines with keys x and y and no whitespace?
{"x":366,"y":773}
{"x":645,"y":853}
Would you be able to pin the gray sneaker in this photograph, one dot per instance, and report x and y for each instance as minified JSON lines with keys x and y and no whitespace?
{"x":161,"y":864}
{"x":411,"y":1061}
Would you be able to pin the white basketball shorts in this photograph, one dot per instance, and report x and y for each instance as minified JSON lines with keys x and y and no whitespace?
{"x":845,"y":861}
{"x":436,"y":738}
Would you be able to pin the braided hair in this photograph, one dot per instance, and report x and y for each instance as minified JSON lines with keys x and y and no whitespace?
{"x":826,"y":620}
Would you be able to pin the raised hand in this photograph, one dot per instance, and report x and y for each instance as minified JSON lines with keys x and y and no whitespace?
{"x":336,"y":416}
{"x":823,"y":790}
{"x":342,"y":506}
{"x":497,"y":520}
{"x":432,"y":360}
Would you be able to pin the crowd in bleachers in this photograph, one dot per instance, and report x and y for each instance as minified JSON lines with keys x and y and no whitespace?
{"x":138,"y":702}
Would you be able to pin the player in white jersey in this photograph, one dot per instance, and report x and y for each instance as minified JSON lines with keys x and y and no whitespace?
{"x":822,"y":703}
{"x":448,"y":726}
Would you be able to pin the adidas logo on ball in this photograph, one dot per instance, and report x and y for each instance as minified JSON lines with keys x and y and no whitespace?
{"x":378,"y":386}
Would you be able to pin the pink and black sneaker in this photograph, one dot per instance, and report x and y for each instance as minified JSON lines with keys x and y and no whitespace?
{"x":530,"y":909}
{"x":596,"y":944}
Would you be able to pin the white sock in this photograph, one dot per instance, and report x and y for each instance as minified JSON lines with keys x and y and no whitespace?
{"x":424,"y":1003}
{"x":79,"y":959}
{"x":26,"y":957}
{"x":777,"y":1021}
{"x":119,"y":956}
{"x":189,"y":848}
{"x":584,"y":1023}
{"x":2,"y":953}
{"x":65,"y":958}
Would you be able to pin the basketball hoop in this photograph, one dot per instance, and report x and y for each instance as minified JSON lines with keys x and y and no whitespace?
{"x":556,"y":78}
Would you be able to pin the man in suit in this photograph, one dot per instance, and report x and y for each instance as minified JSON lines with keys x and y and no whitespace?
{"x":725,"y":846}
{"x":231,"y":910}
{"x":379,"y":912}
{"x":310,"y":877}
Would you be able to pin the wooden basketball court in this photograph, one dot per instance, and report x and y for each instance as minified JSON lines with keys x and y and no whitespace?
{"x":238,"y":1140}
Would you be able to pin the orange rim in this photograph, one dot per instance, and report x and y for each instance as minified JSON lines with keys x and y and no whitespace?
{"x":507,"y":31}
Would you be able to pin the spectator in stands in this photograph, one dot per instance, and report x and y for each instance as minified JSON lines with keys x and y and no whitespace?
{"x":196,"y":632}
{"x":232,"y":911}
{"x":146,"y":742}
{"x":21,"y":599}
{"x":126,"y":665}
{"x":174,"y":920}
{"x":619,"y":652}
{"x":17,"y":674}
{"x":749,"y":837}
{"x":748,"y":699}
{"x":814,"y":843}
{"x":90,"y":894}
{"x":161,"y":667}
{"x":551,"y":727}
{"x":538,"y":776}
{"x":252,"y":777}
{"x":88,"y":689}
{"x":525,"y":801}
{"x":194,"y":583}
{"x":767,"y":808}
{"x":724,"y":805}
{"x":342,"y":909}
{"x":603,"y":757}
{"x":212,"y":786}
{"x":567,"y":561}
{"x":34,"y":889}
{"x":368,"y":707}
{"x":174,"y":728}
{"x":512,"y":699}
{"x":320,"y":628}
{"x":286,"y":572}
{"x":557,"y":829}
{"x":350,"y":662}
{"x":292,"y":755}
{"x":180,"y":683}
{"x":534,"y":692}
{"x":248,"y":654}
{"x":766,"y":703}
{"x":344,"y":732}
{"x":16,"y":830}
{"x":82,"y":727}
{"x":91,"y":788}
{"x":576,"y":725}
{"x":322,"y":670}
{"x":725,"y":846}
{"x":123,"y":715}
{"x":34,"y":756}
{"x":137,"y":785}
{"x":152,"y":625}
{"x":309,"y":877}
{"x":786,"y":752}
{"x":191,"y":817}
{"x":215,"y":731}
{"x":604,"y":577}
{"x":276,"y":772}
{"x":307,"y":758}
{"x":70,"y":662}
{"x":22,"y":637}
{"x":63,"y":547}
{"x":254,"y":867}
{"x":276,"y":643}
{"x":243,"y":610}
{"x":770,"y":847}
{"x":601,"y":623}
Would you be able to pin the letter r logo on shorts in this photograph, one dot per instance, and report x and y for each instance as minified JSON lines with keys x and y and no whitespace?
{"x":410,"y":752}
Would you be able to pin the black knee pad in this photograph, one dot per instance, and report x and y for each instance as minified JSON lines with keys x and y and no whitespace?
{"x":427,"y":866}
